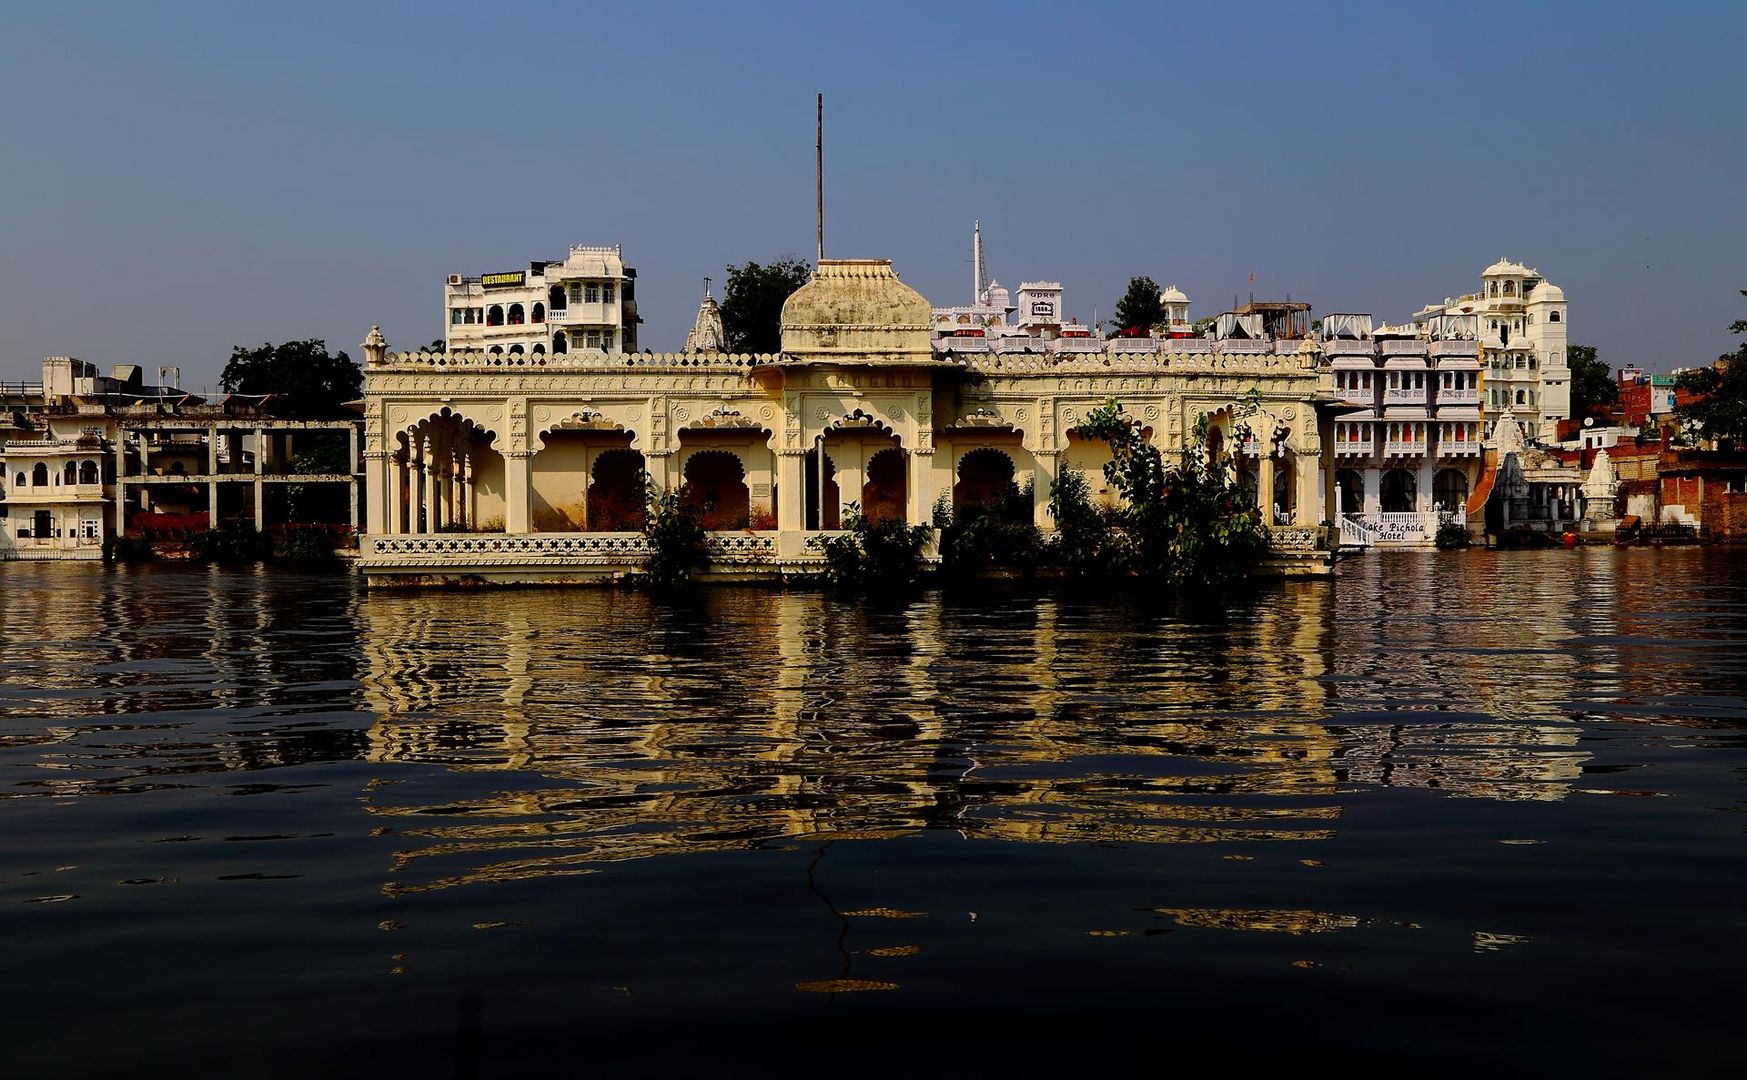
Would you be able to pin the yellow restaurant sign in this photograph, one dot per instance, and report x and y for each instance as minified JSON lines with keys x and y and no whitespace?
{"x":498,"y":281}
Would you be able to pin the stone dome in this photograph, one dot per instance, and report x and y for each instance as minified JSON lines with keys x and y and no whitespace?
{"x":1173,"y":295}
{"x":1548,"y":293}
{"x":856,"y":310}
{"x":1506,"y":268}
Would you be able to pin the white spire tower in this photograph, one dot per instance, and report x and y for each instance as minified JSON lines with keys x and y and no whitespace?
{"x":979,"y":280}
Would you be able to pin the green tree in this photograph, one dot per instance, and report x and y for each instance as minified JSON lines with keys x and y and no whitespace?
{"x":1593,"y":387}
{"x":1139,"y":310}
{"x":752,"y":303}
{"x":302,"y":374}
{"x":1718,"y":394}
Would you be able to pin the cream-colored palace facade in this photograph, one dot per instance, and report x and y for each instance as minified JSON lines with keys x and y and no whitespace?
{"x":493,"y":467}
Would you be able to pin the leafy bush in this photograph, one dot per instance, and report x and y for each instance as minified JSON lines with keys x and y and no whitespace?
{"x":234,"y":545}
{"x":676,"y":540}
{"x":1189,"y":526}
{"x":873,"y":554}
{"x":1001,"y":534}
{"x":310,"y":546}
{"x":1451,"y":533}
{"x":125,"y":549}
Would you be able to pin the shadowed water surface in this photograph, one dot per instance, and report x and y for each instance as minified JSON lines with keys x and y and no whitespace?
{"x":1452,"y":812}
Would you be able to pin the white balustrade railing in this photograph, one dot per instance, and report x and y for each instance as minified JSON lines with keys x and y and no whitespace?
{"x":1398,"y":448}
{"x":1465,"y":396}
{"x":1404,"y":396}
{"x":1350,"y":448}
{"x":534,"y":548}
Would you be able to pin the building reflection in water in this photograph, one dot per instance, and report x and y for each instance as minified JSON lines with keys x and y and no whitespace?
{"x":597,"y":726}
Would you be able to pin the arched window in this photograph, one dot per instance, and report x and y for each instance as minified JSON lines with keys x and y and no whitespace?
{"x":494,"y":315}
{"x":70,"y":473}
{"x":559,"y":345}
{"x":88,"y":472}
{"x":1450,"y":489}
{"x":516,"y":316}
{"x":555,"y":298}
{"x":539,"y":312}
{"x":495,"y":350}
{"x":1522,"y":398}
{"x":455,"y":316}
{"x":1510,"y":288}
{"x":985,"y":482}
{"x":1398,"y":491}
{"x":1554,"y":317}
{"x":516,"y":350}
{"x":468,"y":316}
{"x":538,"y":349}
{"x":1493,"y":291}
{"x":19,"y":480}
{"x":39,"y":476}
{"x":1352,"y":490}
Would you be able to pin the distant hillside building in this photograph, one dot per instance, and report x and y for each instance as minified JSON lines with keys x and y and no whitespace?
{"x":588,"y":301}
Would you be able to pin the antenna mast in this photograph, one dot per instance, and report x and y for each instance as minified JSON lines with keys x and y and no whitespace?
{"x":819,"y":174}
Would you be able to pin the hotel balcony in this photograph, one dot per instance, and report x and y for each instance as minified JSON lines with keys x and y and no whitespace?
{"x":1350,"y":448}
{"x":1405,"y":396}
{"x":1468,"y":396}
{"x":584,"y":314}
{"x":1398,"y":448}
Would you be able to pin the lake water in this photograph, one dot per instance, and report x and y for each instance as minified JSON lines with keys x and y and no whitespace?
{"x":1463,"y":812}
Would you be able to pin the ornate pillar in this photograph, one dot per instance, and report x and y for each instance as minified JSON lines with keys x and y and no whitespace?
{"x":377,"y":466}
{"x":517,"y":472}
{"x":415,"y":512}
{"x":1307,"y":475}
{"x":851,"y":458}
{"x":920,"y":484}
{"x":1043,"y":475}
{"x":791,"y":490}
{"x":395,"y":495}
{"x":1373,"y":492}
{"x":1265,"y":488}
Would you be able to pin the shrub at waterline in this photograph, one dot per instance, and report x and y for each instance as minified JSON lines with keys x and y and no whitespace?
{"x":676,"y":540}
{"x":873,"y":554}
{"x":998,"y":534}
{"x":1189,"y":526}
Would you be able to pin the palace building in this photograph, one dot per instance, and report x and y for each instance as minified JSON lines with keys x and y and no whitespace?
{"x":492,"y":465}
{"x":1521,"y":323}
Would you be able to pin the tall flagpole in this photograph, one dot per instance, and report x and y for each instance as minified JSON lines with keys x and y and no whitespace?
{"x":819,"y":177}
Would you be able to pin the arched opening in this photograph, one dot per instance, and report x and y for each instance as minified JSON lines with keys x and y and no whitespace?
{"x":1285,"y":491}
{"x":516,"y":350}
{"x":1450,"y":489}
{"x":539,"y":349}
{"x":19,"y":479}
{"x":1352,"y":491}
{"x":538,"y":312}
{"x":1521,"y":398}
{"x":1510,"y":288}
{"x":560,"y":345}
{"x":985,"y":480}
{"x":829,"y":518}
{"x":1554,"y":317}
{"x":715,"y":489}
{"x":1399,"y":491}
{"x":885,"y":495}
{"x":495,"y":350}
{"x":70,"y":472}
{"x":1249,"y":480}
{"x":516,"y":317}
{"x":616,"y":498}
{"x":39,"y":475}
{"x":88,"y":472}
{"x":555,"y":298}
{"x":494,"y":315}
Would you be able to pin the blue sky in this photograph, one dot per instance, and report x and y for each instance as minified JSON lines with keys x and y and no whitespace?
{"x":181,"y":178}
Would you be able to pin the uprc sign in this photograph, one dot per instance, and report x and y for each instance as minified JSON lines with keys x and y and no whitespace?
{"x":507,"y":279}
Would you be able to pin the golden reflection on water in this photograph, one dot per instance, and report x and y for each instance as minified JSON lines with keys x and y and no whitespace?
{"x":620,"y":730}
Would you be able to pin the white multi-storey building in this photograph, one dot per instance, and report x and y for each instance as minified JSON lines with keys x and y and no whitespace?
{"x":1411,"y":451}
{"x":1522,"y":328}
{"x":587,"y":301}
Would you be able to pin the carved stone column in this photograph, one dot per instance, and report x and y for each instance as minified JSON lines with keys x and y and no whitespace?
{"x":791,"y":490}
{"x":517,"y":473}
{"x":1042,"y":477}
{"x":377,"y":466}
{"x":920,"y":484}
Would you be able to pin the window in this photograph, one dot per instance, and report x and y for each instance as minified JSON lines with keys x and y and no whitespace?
{"x":455,"y":316}
{"x":607,"y":293}
{"x":19,"y":480}
{"x":1521,"y":398}
{"x":591,"y":293}
{"x":467,"y":316}
{"x":538,"y":314}
{"x":591,"y":339}
{"x":494,"y":315}
{"x":560,"y":345}
{"x":90,"y":529}
{"x":1554,"y":317}
{"x":575,"y":293}
{"x":515,"y":314}
{"x":88,"y":472}
{"x":538,"y":349}
{"x":515,"y":350}
{"x":1531,"y":361}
